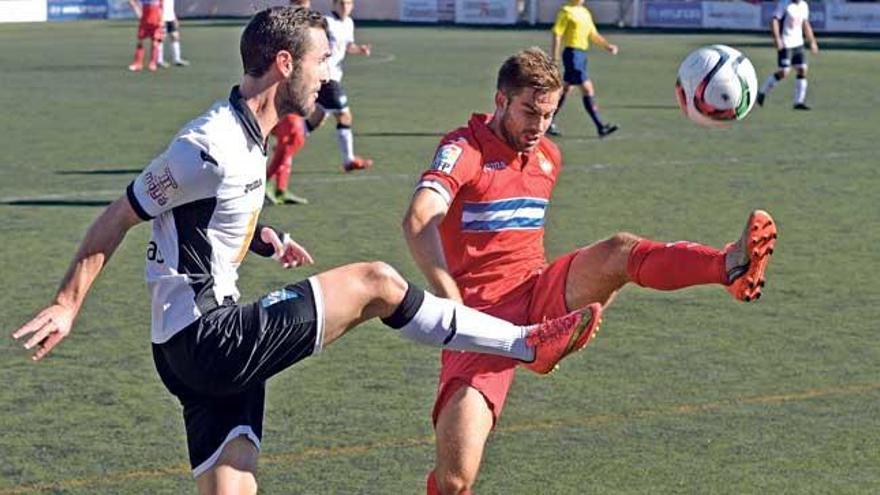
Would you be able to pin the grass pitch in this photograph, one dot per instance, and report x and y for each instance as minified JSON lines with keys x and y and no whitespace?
{"x":683,"y":392}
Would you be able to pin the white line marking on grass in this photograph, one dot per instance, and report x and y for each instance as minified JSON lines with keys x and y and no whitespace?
{"x":426,"y":441}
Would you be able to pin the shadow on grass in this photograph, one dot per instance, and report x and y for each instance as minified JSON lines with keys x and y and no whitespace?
{"x":58,"y":202}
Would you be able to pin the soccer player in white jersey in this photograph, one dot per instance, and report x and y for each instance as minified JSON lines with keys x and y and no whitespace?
{"x":203,"y":195}
{"x":332,"y":97}
{"x":172,"y":29}
{"x":789,"y":26}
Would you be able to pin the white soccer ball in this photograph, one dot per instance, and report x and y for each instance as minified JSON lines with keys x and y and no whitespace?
{"x":716,"y":85}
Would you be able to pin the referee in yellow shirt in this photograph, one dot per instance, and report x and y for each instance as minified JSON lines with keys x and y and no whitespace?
{"x":572,"y":32}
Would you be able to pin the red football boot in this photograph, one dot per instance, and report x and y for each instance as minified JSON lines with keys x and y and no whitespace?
{"x":357,"y":164}
{"x":746,"y":259}
{"x":554,"y":339}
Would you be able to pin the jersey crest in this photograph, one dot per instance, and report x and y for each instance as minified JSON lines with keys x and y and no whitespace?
{"x":446,"y":158}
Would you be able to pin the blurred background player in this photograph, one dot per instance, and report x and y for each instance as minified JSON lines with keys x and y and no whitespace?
{"x":572,"y":33}
{"x":290,"y":136}
{"x":172,"y":29}
{"x":150,"y":26}
{"x":332,"y":97}
{"x":794,"y":18}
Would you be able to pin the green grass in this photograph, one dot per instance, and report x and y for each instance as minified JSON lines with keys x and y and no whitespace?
{"x":683,"y":392}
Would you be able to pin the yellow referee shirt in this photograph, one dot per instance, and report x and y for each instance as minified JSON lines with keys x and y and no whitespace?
{"x":575,"y":24}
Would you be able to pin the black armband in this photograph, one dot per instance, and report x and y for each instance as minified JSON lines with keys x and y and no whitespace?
{"x":260,"y":247}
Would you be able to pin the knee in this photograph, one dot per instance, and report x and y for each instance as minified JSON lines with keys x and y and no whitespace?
{"x":383,"y":281}
{"x":783,"y":73}
{"x":615,"y":254}
{"x":452,"y":483}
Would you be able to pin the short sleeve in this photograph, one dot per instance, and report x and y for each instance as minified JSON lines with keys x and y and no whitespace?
{"x":779,"y":13}
{"x":184,"y":173}
{"x":560,"y":24}
{"x":453,"y":167}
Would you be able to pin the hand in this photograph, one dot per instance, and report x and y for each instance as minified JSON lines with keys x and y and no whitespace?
{"x":46,"y":329}
{"x":366,"y":49}
{"x":613,"y":49}
{"x":287,"y":252}
{"x":778,"y":44}
{"x":814,"y":47}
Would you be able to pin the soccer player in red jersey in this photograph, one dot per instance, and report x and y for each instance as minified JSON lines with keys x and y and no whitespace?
{"x":475,"y":227}
{"x":290,"y":137}
{"x":150,"y":14}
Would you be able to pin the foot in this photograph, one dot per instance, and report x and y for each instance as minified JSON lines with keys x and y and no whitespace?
{"x":607,"y":130}
{"x":801,"y":106}
{"x":163,"y":64}
{"x":555,"y":339}
{"x":358,"y":163}
{"x":747,"y":258}
{"x":271,"y":198}
{"x":553,"y":130}
{"x":152,"y":67}
{"x":135,"y":67}
{"x":760,"y":99}
{"x":289,"y":198}
{"x":181,"y":63}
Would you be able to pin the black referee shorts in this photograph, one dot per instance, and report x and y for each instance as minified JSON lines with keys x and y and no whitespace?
{"x":218,"y":365}
{"x":332,"y":97}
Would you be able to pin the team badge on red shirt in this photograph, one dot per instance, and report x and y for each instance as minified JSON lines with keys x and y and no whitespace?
{"x":446,"y":158}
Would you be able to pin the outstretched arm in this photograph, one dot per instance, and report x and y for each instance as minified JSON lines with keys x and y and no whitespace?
{"x":53,"y":323}
{"x":774,"y":30}
{"x":359,"y":49}
{"x":421,"y":230}
{"x":136,"y":7}
{"x":600,"y":40}
{"x":811,"y":36}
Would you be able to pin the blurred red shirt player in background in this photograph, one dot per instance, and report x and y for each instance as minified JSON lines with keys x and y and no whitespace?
{"x":150,"y":26}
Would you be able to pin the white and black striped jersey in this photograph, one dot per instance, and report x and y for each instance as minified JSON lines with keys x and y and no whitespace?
{"x":204,"y":194}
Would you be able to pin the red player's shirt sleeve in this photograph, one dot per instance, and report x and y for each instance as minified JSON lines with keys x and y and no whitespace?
{"x":455,"y":164}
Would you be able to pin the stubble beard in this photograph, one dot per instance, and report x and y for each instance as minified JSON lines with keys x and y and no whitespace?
{"x":293,"y":96}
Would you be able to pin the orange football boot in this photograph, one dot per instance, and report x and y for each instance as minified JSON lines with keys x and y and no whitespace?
{"x":357,"y":164}
{"x":746,"y":259}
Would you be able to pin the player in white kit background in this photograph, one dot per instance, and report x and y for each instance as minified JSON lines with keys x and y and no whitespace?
{"x":172,"y":29}
{"x":332,"y":97}
{"x":789,"y":26}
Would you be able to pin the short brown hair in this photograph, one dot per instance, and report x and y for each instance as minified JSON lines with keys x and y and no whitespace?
{"x":531,"y":68}
{"x":273,"y":30}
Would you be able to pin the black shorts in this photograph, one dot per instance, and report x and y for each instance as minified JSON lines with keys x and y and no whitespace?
{"x":218,"y":365}
{"x":170,"y":27}
{"x":574,"y":63}
{"x":332,"y":96}
{"x":787,"y":57}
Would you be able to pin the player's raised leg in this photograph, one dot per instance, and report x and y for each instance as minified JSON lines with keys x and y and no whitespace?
{"x":600,"y":269}
{"x":355,"y":293}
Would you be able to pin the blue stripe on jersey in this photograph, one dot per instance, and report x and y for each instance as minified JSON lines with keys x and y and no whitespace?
{"x":505,"y":214}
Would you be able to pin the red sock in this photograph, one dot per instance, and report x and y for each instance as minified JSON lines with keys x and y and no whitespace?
{"x":675,"y":265}
{"x":154,"y":52}
{"x":139,"y":54}
{"x":431,"y":483}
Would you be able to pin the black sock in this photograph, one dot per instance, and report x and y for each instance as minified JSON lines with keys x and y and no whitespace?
{"x":407,"y":309}
{"x":590,"y":107}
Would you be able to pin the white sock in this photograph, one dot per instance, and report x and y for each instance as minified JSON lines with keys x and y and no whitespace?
{"x":472,"y":330}
{"x":769,"y":83}
{"x":160,"y":57}
{"x":175,"y":50}
{"x":345,"y":139}
{"x":800,"y":90}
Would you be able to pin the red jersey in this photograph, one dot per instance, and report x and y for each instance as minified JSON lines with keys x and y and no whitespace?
{"x":493,"y":233}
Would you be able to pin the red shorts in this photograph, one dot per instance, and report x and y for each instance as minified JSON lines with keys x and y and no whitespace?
{"x":151,"y":23}
{"x":541,"y":296}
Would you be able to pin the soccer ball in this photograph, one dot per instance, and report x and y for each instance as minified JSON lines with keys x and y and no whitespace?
{"x":716,"y":85}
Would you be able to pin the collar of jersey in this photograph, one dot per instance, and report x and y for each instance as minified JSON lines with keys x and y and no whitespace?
{"x":247,"y":118}
{"x":491,"y":143}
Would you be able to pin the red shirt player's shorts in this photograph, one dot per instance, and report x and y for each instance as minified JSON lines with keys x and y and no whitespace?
{"x":151,"y":23}
{"x":539,"y":297}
